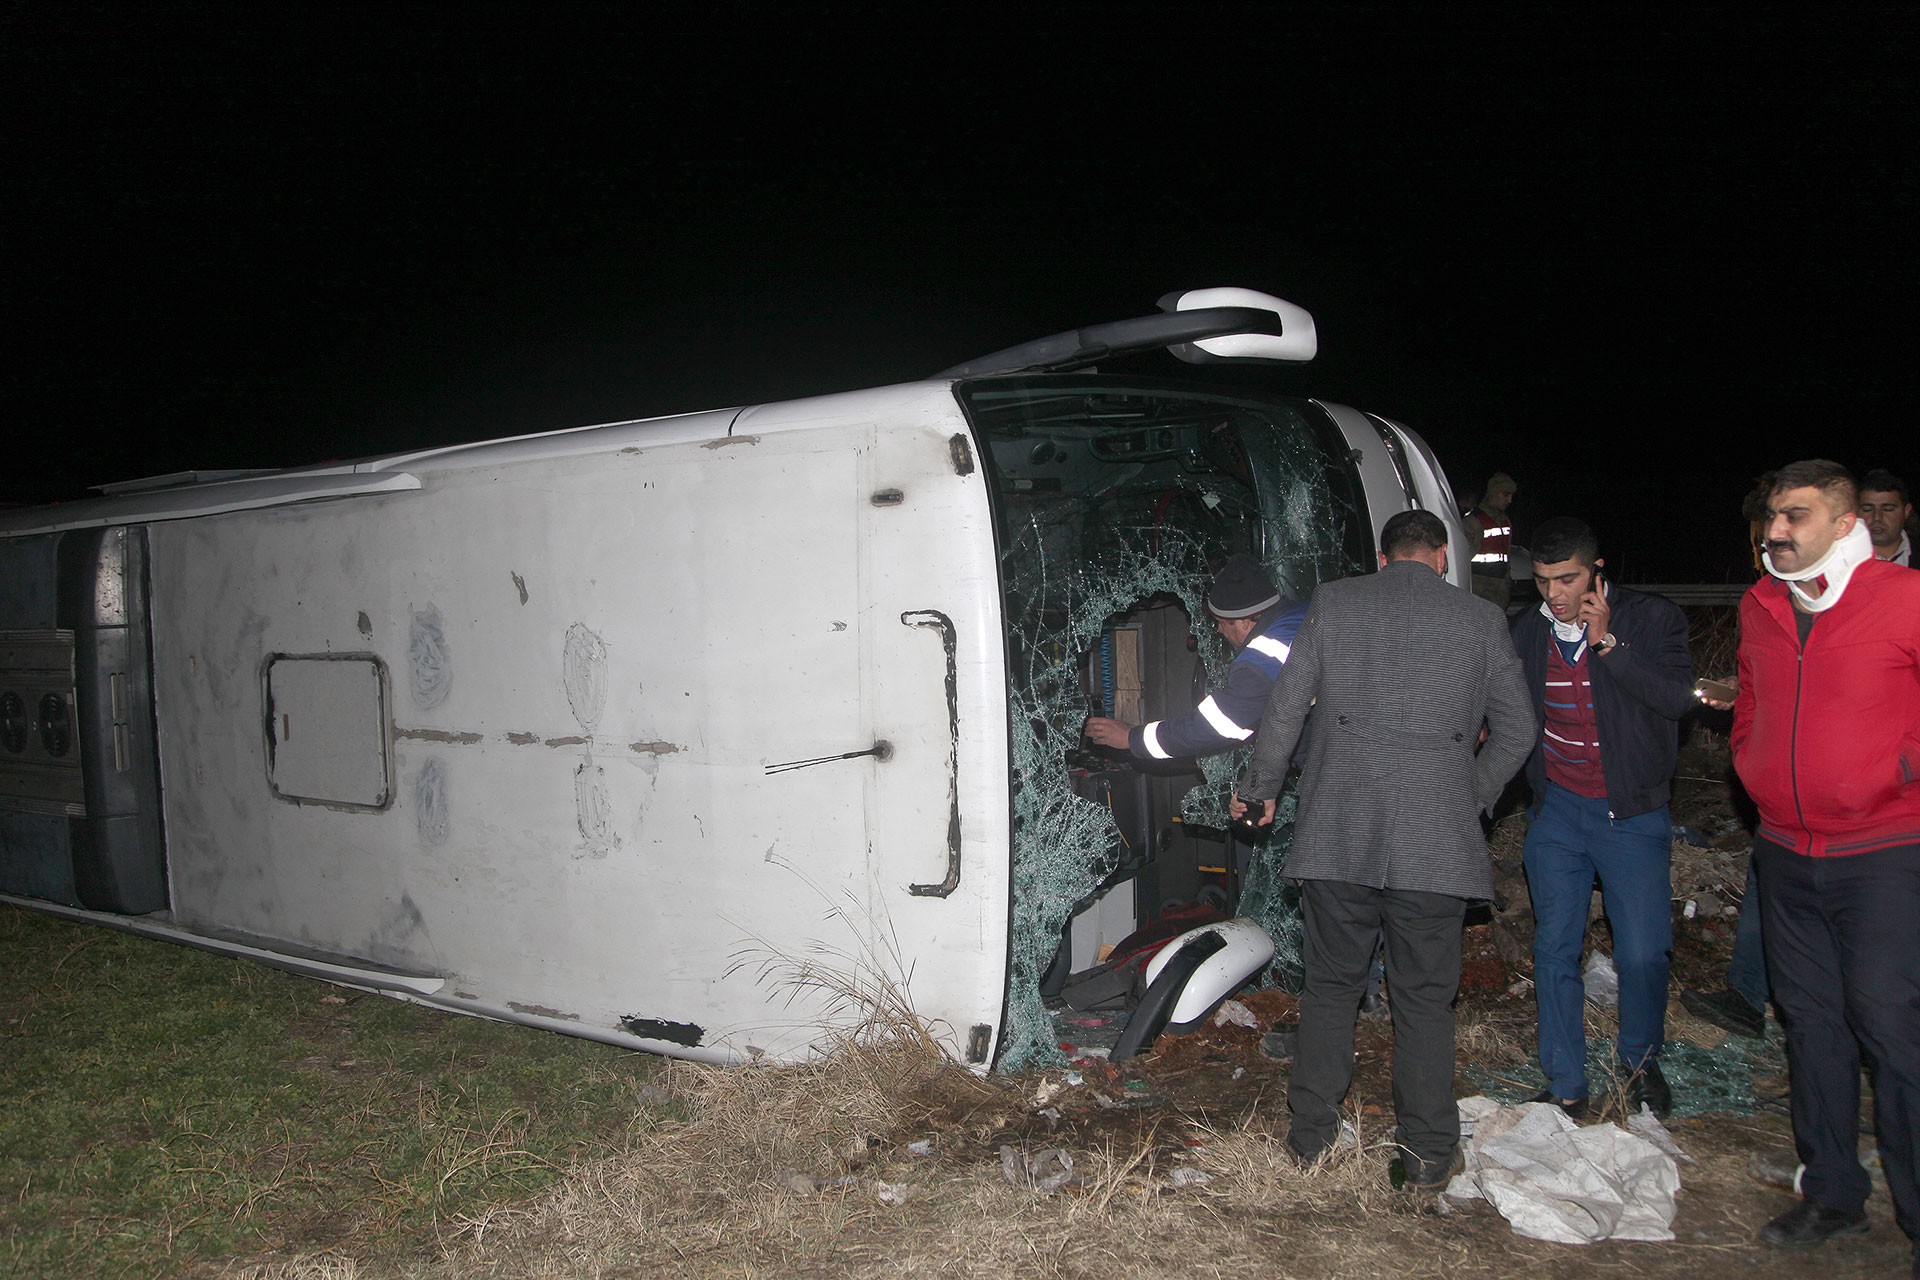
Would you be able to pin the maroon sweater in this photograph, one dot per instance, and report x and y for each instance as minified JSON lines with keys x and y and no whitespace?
{"x":1571,"y":742}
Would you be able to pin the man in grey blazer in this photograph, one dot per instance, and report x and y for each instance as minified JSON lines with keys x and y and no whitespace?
{"x":1401,"y":670}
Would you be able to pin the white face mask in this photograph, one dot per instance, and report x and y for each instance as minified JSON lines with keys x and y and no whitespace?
{"x":1845,"y":555}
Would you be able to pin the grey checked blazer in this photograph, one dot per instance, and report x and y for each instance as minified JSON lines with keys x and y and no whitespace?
{"x":1399,"y":669}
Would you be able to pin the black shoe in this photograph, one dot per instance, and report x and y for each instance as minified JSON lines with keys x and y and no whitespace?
{"x":1302,"y":1159}
{"x":1648,"y":1086}
{"x":1412,"y":1173}
{"x":1808,"y":1224}
{"x":1576,"y":1108}
{"x":1726,"y":1009}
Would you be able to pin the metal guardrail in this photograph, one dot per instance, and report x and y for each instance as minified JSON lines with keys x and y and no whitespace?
{"x":1696,"y":593}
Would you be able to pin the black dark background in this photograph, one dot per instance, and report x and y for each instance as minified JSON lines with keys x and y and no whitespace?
{"x":1632,"y":260}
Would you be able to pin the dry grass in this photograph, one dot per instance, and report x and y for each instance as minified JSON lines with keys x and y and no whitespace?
{"x":809,"y":1170}
{"x":805,"y":1170}
{"x":884,"y":1159}
{"x":1494,"y":1036}
{"x":1714,"y":631}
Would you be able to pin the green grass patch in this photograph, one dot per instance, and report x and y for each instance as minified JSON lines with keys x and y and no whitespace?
{"x":165,"y":1106}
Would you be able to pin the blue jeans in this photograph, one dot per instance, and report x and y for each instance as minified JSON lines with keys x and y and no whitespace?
{"x":1570,"y":842}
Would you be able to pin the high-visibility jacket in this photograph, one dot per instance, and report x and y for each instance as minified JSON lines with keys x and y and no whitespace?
{"x":1495,"y":548}
{"x":1226,"y":717}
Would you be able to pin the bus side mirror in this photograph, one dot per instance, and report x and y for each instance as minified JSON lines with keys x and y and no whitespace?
{"x":1296,"y":342}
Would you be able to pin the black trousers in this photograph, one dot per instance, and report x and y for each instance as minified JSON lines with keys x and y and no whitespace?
{"x":1422,"y":932}
{"x":1842,"y":940}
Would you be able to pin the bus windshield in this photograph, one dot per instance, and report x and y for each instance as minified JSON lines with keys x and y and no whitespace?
{"x":1117,"y":499}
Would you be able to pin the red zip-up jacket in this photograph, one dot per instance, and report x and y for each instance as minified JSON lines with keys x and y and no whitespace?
{"x":1827,"y":738}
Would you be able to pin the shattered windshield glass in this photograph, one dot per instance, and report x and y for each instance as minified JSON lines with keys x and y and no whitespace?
{"x":1117,"y":500}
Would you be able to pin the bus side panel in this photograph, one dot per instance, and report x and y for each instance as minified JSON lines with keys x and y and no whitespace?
{"x":119,"y":855}
{"x":79,"y":792}
{"x":36,"y":859}
{"x":598,"y":681}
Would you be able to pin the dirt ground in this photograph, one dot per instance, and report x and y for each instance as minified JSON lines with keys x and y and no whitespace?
{"x":888,"y":1161}
{"x":1219,"y":1074}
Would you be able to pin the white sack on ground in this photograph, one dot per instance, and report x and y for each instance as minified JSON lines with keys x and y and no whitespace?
{"x":1553,"y":1180}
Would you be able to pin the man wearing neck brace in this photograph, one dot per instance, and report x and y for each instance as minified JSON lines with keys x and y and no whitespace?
{"x":1611,"y":677}
{"x":1826,"y":738}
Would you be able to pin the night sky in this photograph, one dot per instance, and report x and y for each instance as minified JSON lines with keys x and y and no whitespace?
{"x":1633,"y":265}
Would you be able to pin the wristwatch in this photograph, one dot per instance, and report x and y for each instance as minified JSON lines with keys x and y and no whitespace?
{"x":1606,"y":643}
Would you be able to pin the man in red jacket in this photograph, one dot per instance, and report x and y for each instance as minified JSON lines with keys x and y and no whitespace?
{"x":1826,"y":737}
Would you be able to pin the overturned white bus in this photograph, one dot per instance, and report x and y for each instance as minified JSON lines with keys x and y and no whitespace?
{"x":667,"y":732}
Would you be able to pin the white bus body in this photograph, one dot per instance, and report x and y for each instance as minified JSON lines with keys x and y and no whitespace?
{"x":675,"y":734}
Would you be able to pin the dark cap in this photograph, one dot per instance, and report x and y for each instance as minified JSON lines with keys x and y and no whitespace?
{"x":1241,"y":589}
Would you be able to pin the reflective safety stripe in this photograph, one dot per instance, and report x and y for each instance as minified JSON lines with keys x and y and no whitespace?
{"x":1150,"y":738}
{"x":1490,"y":557}
{"x":1271,"y":647}
{"x":1222,"y":725}
{"x":1497,"y":530}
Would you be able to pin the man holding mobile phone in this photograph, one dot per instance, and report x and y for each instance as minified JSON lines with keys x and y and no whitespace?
{"x":1611,"y":676}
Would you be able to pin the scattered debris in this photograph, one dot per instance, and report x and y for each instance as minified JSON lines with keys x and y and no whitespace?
{"x":801,"y":1184}
{"x":1603,"y":984}
{"x":1047,"y":1091}
{"x":1777,"y":1169}
{"x":1232,"y":1011}
{"x":1045,"y":1171}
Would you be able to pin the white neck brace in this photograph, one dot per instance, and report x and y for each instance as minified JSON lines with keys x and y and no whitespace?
{"x":1842,"y":558}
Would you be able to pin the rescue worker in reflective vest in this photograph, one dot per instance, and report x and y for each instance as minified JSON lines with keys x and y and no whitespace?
{"x":1259,"y":623}
{"x":1490,"y":534}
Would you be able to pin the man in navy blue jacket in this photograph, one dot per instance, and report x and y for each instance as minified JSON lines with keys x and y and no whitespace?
{"x":1259,"y":623}
{"x":1611,"y":676}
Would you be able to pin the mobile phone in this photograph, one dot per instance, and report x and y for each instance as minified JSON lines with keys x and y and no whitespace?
{"x":1718,"y":690}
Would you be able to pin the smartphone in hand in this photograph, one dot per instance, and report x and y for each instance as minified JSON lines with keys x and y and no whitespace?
{"x":1715,"y":691}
